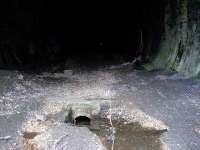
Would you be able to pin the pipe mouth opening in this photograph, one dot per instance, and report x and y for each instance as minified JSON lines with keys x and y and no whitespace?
{"x":82,"y":121}
{"x":30,"y":135}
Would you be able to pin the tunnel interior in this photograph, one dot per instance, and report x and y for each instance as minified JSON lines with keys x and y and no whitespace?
{"x":39,"y":33}
{"x":82,"y":120}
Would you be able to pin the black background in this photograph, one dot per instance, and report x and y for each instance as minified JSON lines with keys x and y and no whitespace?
{"x":59,"y":30}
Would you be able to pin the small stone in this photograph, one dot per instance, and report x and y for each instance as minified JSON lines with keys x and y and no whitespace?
{"x":5,"y":138}
{"x":40,"y":117}
{"x":20,"y":77}
{"x":68,"y":73}
{"x":197,"y":130}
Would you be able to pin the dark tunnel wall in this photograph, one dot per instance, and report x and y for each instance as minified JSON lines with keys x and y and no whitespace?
{"x":39,"y":32}
{"x":179,"y":49}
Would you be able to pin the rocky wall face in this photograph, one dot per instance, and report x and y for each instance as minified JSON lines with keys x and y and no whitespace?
{"x":180,"y":46}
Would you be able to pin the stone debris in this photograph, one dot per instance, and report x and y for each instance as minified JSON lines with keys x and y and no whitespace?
{"x":20,"y":77}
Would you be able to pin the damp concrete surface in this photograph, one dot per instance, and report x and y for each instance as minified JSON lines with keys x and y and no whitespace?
{"x":128,"y":109}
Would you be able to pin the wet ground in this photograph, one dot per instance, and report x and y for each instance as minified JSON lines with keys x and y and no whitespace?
{"x":168,"y":97}
{"x":129,"y":136}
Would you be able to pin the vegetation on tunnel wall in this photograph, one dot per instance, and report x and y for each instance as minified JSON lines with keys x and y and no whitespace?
{"x":180,"y":46}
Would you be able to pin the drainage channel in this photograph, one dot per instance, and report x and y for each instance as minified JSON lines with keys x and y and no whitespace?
{"x":123,"y":136}
{"x":118,"y":135}
{"x":127,"y":136}
{"x":115,"y":134}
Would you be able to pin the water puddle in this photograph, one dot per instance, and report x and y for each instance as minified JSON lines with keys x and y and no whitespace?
{"x":124,"y":136}
{"x":114,"y":134}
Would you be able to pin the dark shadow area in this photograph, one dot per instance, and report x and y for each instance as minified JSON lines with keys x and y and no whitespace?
{"x":40,"y":33}
{"x":82,"y":120}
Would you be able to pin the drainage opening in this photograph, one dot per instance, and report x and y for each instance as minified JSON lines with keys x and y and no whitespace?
{"x":30,"y":135}
{"x":82,"y":120}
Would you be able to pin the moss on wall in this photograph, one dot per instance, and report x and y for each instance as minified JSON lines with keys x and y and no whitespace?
{"x":180,"y":46}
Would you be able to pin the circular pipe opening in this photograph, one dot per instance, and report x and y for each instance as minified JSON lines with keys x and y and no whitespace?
{"x":82,"y":120}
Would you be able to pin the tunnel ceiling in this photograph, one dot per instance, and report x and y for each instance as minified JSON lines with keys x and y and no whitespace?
{"x":32,"y":31}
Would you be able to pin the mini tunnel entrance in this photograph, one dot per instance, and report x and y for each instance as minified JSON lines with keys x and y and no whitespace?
{"x":82,"y":121}
{"x":43,"y":33}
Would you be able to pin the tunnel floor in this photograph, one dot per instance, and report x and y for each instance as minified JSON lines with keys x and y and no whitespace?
{"x":149,"y":96}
